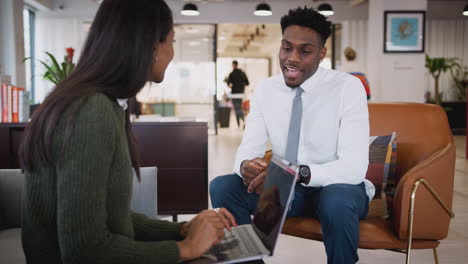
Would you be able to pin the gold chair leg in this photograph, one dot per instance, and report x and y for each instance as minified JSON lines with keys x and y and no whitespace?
{"x":411,"y":215}
{"x":410,"y":220}
{"x":436,"y":257}
{"x":408,"y":256}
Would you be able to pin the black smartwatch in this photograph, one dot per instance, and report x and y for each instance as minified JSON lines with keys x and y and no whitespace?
{"x":304,"y":174}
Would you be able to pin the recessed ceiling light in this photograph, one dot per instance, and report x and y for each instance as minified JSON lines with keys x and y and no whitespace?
{"x":325,"y":9}
{"x":190,"y":10}
{"x":263,"y":9}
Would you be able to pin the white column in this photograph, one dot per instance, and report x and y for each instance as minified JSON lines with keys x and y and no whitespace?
{"x":12,"y":40}
{"x":393,"y":76}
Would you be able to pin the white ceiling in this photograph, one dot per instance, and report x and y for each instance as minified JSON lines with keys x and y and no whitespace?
{"x":241,"y":11}
{"x":248,"y":40}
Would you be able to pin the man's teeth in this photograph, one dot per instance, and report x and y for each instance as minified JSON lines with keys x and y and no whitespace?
{"x":290,"y":69}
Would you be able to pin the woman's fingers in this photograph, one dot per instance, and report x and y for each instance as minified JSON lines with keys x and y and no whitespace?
{"x":226,"y":217}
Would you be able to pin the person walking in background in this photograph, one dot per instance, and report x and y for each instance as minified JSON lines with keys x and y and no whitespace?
{"x":237,"y":81}
{"x":352,"y":68}
{"x":79,"y":153}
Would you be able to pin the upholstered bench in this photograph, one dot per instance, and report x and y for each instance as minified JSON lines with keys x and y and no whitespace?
{"x":144,"y":200}
{"x":11,"y":187}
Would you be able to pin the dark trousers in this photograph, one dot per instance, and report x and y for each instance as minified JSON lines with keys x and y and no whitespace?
{"x":238,"y":108}
{"x":338,"y":207}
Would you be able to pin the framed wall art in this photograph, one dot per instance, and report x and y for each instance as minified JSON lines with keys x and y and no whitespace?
{"x":404,"y":31}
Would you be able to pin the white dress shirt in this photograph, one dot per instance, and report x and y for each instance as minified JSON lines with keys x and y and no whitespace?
{"x":123,"y":103}
{"x":334,"y":137}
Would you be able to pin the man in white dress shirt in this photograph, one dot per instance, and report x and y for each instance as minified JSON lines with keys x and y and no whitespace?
{"x":316,"y":118}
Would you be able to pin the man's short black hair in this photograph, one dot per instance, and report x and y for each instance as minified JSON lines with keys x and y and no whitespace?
{"x":235,"y":62}
{"x":308,"y":17}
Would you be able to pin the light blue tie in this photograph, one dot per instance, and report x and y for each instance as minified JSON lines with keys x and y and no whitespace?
{"x":294,"y":128}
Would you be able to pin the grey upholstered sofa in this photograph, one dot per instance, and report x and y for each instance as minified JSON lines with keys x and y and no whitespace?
{"x":144,"y":200}
{"x":11,"y":188}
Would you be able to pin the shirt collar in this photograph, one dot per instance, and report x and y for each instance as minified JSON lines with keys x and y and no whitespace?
{"x":311,"y":83}
{"x":123,"y":103}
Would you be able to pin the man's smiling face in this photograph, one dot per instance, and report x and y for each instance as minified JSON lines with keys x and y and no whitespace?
{"x":300,"y":54}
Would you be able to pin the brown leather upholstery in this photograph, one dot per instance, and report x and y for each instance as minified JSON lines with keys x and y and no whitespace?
{"x":425,"y":149}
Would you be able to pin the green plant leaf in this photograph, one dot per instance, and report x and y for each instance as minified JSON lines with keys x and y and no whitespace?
{"x":50,"y":74}
{"x":25,"y":59}
{"x":65,"y":69}
{"x":55,"y":65}
{"x":71,"y":67}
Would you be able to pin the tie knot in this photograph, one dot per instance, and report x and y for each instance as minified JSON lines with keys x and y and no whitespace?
{"x":299,"y":91}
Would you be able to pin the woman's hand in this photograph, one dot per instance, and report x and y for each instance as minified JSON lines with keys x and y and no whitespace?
{"x":202,"y":232}
{"x":226,"y":217}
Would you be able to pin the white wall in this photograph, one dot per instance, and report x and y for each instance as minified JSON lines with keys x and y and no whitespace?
{"x":12,"y":40}
{"x":394,"y":76}
{"x":354,"y":35}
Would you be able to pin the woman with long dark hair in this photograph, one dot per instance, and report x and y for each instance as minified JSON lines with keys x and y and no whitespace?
{"x":79,"y":152}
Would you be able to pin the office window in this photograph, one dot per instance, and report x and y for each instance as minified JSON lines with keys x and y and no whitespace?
{"x":29,"y":30}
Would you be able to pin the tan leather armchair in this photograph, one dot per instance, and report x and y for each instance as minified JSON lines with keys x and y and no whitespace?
{"x":423,"y":198}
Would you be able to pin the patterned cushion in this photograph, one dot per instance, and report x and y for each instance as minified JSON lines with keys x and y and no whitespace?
{"x":381,"y":172}
{"x":392,"y":180}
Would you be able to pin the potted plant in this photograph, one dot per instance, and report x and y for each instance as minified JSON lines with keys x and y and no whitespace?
{"x":56,"y":72}
{"x":461,"y":83}
{"x":456,"y":110}
{"x":439,"y":65}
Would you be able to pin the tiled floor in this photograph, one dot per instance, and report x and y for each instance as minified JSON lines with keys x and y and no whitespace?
{"x":290,"y":249}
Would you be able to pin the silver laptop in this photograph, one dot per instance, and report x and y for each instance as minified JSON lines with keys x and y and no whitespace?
{"x":256,"y":241}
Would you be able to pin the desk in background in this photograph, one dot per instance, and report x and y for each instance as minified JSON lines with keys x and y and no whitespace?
{"x":178,"y":149}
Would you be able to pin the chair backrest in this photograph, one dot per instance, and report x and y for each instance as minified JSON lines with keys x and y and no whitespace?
{"x":144,"y":196}
{"x":424,"y":140}
{"x":11,"y":189}
{"x":422,"y":129}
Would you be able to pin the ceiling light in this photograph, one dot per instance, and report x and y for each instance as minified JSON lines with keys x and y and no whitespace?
{"x":190,"y":10}
{"x":465,"y":11}
{"x":263,"y":9}
{"x":325,"y":9}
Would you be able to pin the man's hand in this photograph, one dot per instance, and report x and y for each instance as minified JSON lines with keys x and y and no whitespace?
{"x":251,"y":169}
{"x":257,"y":183}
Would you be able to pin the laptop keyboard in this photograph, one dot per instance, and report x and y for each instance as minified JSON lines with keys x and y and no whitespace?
{"x":231,"y":247}
{"x":248,"y":240}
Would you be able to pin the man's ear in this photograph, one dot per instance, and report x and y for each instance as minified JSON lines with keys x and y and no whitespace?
{"x":323,"y":53}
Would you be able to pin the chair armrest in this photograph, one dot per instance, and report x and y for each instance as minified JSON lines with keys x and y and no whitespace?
{"x":431,"y":220}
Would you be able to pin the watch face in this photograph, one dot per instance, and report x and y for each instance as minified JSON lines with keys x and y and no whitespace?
{"x":304,"y":171}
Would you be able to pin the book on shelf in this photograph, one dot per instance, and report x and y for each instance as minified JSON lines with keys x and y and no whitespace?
{"x":14,"y":104}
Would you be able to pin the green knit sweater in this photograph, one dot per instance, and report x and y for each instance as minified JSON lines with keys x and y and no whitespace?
{"x":78,"y":211}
